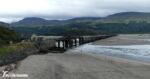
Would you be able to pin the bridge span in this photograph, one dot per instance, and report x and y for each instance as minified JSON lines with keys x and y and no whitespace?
{"x":65,"y":42}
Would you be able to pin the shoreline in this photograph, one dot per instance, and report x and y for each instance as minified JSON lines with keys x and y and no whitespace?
{"x":119,"y":59}
{"x":126,"y":40}
{"x":109,"y":57}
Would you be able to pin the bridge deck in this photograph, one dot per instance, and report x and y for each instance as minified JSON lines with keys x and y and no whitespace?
{"x":66,"y":41}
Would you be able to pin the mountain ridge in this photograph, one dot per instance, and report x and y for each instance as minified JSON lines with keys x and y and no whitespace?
{"x":128,"y":16}
{"x":123,"y":17}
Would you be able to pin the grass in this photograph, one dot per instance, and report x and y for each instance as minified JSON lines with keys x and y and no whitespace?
{"x":12,"y":48}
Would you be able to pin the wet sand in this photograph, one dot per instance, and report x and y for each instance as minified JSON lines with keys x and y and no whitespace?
{"x":132,"y":39}
{"x":73,"y":65}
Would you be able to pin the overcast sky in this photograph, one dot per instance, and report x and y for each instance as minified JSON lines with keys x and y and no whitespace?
{"x":13,"y":10}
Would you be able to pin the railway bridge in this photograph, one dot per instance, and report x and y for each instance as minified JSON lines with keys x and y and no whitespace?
{"x":65,"y":42}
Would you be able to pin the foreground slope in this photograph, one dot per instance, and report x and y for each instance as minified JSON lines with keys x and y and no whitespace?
{"x":80,"y":66}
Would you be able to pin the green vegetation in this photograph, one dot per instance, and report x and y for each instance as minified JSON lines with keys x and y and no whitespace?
{"x":123,"y":28}
{"x":13,"y":48}
{"x":126,"y":17}
{"x":125,"y":22}
{"x":87,"y":28}
{"x":7,"y":35}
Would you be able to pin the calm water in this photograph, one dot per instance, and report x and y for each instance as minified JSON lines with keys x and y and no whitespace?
{"x":136,"y":52}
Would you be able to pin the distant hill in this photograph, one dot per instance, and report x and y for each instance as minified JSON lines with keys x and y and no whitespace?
{"x":123,"y":17}
{"x":126,"y":17}
{"x":84,"y":19}
{"x":4,"y":24}
{"x":34,"y":21}
{"x":125,"y":22}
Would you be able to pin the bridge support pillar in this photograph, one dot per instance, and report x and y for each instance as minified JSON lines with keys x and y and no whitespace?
{"x":81,"y":40}
{"x":70,"y":43}
{"x":75,"y":42}
{"x":63,"y":44}
{"x":58,"y":44}
{"x":66,"y":44}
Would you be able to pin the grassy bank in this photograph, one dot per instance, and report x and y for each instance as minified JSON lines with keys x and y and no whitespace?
{"x":12,"y":48}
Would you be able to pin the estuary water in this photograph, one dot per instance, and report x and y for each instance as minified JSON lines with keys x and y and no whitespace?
{"x":136,"y":52}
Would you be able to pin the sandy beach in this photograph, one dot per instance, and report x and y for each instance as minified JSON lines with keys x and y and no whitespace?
{"x":80,"y":66}
{"x":128,"y":39}
{"x":73,"y":65}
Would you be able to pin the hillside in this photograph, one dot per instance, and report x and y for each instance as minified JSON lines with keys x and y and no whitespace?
{"x":126,"y":22}
{"x":126,"y":17}
{"x":34,"y":21}
{"x":123,"y":17}
{"x":7,"y":34}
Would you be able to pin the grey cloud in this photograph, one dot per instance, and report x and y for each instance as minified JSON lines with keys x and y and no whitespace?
{"x":64,"y":9}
